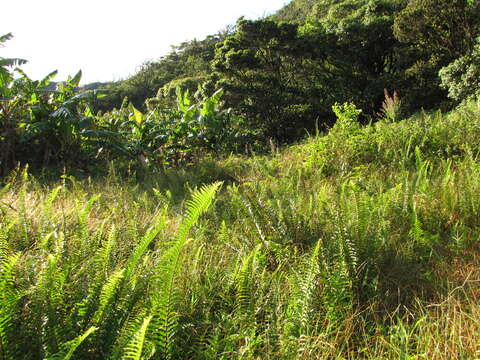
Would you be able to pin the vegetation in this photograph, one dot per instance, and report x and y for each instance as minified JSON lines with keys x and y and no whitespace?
{"x":45,"y":127}
{"x":365,"y":245}
{"x":165,"y":218}
{"x":284,"y":73}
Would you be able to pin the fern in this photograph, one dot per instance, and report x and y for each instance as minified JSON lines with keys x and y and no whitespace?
{"x":350,"y":255}
{"x":337,"y":294}
{"x":9,"y":297}
{"x":82,"y":231}
{"x":69,"y":348}
{"x":243,"y":283}
{"x":47,"y":209}
{"x":305,"y":284}
{"x":50,"y":296}
{"x":200,"y":202}
{"x":109,"y":291}
{"x":143,"y":245}
{"x":165,"y":299}
{"x":100,"y":266}
{"x":104,"y":255}
{"x":134,"y":349}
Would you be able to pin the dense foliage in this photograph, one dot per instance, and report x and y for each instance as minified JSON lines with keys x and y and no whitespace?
{"x":44,"y":127}
{"x":362,"y":243}
{"x":282,"y":74}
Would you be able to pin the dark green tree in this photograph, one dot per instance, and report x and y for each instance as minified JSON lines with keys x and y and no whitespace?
{"x":436,"y":33}
{"x":274,"y":77}
{"x":365,"y":50}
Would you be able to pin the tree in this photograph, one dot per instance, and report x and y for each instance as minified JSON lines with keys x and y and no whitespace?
{"x":364,"y":50}
{"x":435,"y":32}
{"x":5,"y":64}
{"x":274,"y":77}
{"x":462,"y":77}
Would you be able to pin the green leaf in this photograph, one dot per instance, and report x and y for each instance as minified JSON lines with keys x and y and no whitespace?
{"x":134,"y":349}
{"x":137,"y":115}
{"x":76,"y":79}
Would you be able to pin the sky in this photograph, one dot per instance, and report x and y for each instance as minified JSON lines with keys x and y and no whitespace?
{"x":109,"y":39}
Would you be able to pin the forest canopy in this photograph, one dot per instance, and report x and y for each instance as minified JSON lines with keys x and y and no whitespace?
{"x":284,"y":72}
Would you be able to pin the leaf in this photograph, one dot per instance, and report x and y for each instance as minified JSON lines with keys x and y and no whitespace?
{"x":76,"y":79}
{"x":134,"y":349}
{"x":71,"y":346}
{"x":5,"y":38}
{"x":137,"y":115}
{"x":46,"y":80}
{"x":109,"y":290}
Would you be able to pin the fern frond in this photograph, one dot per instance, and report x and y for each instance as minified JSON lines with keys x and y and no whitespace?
{"x":243,"y":282}
{"x":68,"y":348}
{"x":143,"y":245}
{"x":199,"y":203}
{"x":350,"y":255}
{"x":134,"y":349}
{"x":306,"y":283}
{"x":109,"y":291}
{"x":7,"y":264}
{"x":8,"y":300}
{"x":47,"y":209}
{"x":165,"y":299}
{"x":102,"y":258}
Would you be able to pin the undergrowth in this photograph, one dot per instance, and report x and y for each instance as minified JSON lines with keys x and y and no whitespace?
{"x":359,"y":244}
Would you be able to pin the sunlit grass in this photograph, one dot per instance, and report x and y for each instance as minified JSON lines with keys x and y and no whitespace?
{"x":331,"y":249}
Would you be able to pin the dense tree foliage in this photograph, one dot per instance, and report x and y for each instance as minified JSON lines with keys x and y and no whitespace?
{"x":435,"y":32}
{"x":282,"y":74}
{"x":279,"y":78}
{"x":364,"y":47}
{"x":462,"y":76}
{"x":274,"y":77}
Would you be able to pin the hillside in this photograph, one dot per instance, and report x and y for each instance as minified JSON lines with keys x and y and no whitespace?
{"x":362,"y":243}
{"x":305,"y":186}
{"x":285,"y":72}
{"x":295,"y":11}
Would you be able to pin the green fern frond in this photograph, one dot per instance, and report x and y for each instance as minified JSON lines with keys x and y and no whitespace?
{"x":102,"y":258}
{"x":109,"y":291}
{"x":243,"y":282}
{"x":350,"y":255}
{"x":199,"y":203}
{"x":51,"y":278}
{"x":69,"y":348}
{"x":305,"y":283}
{"x":164,"y":323}
{"x":9,"y":297}
{"x":134,"y":349}
{"x":143,"y":245}
{"x":7,"y":264}
{"x":47,"y":209}
{"x":165,"y":299}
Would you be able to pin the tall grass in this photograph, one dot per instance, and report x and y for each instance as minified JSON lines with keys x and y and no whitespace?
{"x":358,"y":244}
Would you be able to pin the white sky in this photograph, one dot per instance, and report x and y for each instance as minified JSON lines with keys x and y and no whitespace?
{"x":109,"y":39}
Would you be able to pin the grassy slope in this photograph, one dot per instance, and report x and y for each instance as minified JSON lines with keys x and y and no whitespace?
{"x":295,"y":11}
{"x":363,"y":243}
